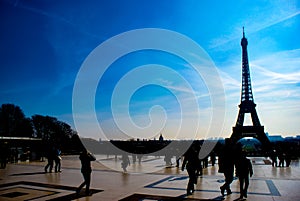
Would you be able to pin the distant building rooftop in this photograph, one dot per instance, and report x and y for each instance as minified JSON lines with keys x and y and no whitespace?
{"x":275,"y":138}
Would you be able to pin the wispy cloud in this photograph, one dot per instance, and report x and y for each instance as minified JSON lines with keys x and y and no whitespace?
{"x":276,"y":20}
{"x":257,"y":23}
{"x":279,"y":78}
{"x":228,"y":81}
{"x":180,"y":89}
{"x":279,"y":68}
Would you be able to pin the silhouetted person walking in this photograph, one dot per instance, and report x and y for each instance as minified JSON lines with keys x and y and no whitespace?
{"x":213,"y":158}
{"x":178,"y":157}
{"x":226,"y":165}
{"x":243,"y":170}
{"x":192,"y":162}
{"x":205,"y":162}
{"x":86,"y":170}
{"x":3,"y":155}
{"x":50,"y":158}
{"x":125,"y":162}
{"x":288,"y":159}
{"x":140,"y":156}
{"x":281,"y":158}
{"x":273,"y":157}
{"x":57,"y":160}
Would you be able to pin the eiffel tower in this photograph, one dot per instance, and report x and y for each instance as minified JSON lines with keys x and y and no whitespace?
{"x":247,"y":105}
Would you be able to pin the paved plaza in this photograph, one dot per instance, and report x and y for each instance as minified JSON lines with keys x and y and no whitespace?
{"x":149,"y":180}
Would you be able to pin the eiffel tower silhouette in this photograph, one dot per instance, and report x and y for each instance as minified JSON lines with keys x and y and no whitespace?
{"x":247,"y":105}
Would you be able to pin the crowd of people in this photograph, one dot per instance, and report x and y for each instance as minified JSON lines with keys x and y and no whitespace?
{"x":280,"y":158}
{"x":54,"y":160}
{"x":230,"y":157}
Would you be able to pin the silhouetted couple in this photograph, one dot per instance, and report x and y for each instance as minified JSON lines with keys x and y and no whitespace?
{"x":231,"y":155}
{"x":53,"y":154}
{"x":193,"y":165}
{"x":86,"y":170}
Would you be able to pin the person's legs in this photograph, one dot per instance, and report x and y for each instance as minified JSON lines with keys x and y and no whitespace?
{"x":190,"y":187}
{"x":56,"y":165}
{"x":87,"y":179}
{"x":2,"y":164}
{"x":82,"y":184}
{"x":50,"y":165}
{"x":46,"y":167}
{"x":80,"y":187}
{"x":192,"y":180}
{"x":242,"y":180}
{"x":59,"y":165}
{"x":228,"y":181}
{"x":246,"y":186}
{"x":225,"y":185}
{"x":177,"y":162}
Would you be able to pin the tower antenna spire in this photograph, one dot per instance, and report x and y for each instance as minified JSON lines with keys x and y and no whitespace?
{"x":243,"y":32}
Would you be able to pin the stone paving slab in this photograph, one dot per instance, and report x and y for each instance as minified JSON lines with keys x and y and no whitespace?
{"x":27,"y":181}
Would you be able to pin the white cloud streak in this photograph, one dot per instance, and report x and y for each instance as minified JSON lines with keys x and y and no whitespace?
{"x":257,"y":22}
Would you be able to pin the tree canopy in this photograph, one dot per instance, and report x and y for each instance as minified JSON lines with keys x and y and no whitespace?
{"x":13,"y":123}
{"x":51,"y":130}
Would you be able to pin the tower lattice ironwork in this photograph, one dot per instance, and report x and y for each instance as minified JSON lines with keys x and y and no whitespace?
{"x":247,"y":105}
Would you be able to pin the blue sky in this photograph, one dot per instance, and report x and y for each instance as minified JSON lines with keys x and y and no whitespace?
{"x":44,"y":44}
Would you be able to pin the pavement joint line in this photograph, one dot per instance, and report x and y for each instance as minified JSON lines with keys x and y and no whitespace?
{"x":271,"y":186}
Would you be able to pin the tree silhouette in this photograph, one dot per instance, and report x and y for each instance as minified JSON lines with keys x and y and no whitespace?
{"x":53,"y":131}
{"x":13,"y":122}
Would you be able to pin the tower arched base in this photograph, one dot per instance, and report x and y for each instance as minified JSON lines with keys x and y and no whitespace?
{"x":239,"y":132}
